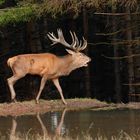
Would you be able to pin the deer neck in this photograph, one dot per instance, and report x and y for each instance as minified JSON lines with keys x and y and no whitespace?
{"x":68,"y":64}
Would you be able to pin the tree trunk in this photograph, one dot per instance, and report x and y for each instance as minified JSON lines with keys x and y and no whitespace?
{"x":87,"y":71}
{"x":116,"y":62}
{"x":136,"y":50}
{"x":129,"y":53}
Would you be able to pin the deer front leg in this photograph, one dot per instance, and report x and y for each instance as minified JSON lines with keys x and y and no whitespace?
{"x":56,"y":83}
{"x":43,"y":81}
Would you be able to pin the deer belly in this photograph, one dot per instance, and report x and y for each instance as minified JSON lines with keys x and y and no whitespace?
{"x":37,"y":71}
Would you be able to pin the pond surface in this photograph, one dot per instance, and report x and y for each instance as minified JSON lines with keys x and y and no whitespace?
{"x":72,"y":123}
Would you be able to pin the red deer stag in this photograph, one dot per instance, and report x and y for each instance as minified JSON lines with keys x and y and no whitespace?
{"x":47,"y":65}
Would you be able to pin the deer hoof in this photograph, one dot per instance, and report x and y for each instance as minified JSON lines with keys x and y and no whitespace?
{"x":65,"y":103}
{"x":14,"y":101}
{"x":37,"y":102}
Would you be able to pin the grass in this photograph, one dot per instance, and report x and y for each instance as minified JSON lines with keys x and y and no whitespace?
{"x":121,"y":136}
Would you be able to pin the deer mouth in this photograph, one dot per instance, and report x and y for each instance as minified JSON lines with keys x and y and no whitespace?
{"x":86,"y":64}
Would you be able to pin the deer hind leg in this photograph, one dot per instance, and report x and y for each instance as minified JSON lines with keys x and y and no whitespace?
{"x":56,"y":83}
{"x":11,"y":81}
{"x":43,"y":81}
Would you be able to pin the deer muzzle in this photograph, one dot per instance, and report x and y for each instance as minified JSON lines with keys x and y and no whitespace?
{"x":88,"y":60}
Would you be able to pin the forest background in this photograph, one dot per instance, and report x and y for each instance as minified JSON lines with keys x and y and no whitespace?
{"x":111,"y":28}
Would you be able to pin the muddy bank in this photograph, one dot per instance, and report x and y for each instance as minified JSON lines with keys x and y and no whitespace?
{"x":30,"y":107}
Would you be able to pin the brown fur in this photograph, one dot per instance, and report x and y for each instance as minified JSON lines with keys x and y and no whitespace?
{"x":47,"y":65}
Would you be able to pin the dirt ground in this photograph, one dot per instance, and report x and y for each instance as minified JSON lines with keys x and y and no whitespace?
{"x":30,"y":107}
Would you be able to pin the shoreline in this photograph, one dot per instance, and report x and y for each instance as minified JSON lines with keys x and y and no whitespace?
{"x":30,"y":107}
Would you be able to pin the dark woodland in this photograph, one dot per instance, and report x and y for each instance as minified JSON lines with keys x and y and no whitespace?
{"x":111,"y":28}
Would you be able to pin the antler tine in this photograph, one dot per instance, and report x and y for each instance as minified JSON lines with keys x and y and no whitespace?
{"x":82,"y":47}
{"x":62,"y":39}
{"x":52,"y":37}
{"x":73,"y":40}
{"x":79,"y":47}
{"x":74,"y":43}
{"x":76,"y":39}
{"x":60,"y":34}
{"x":84,"y":44}
{"x":59,"y":39}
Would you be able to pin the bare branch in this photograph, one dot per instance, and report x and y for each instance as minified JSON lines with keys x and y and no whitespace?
{"x":134,"y":84}
{"x":123,"y":42}
{"x":116,"y":32}
{"x":117,"y":14}
{"x":123,"y":57}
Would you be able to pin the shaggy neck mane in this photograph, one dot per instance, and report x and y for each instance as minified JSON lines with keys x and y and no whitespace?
{"x":68,"y":64}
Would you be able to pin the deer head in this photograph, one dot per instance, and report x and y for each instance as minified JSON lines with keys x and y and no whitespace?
{"x":79,"y":58}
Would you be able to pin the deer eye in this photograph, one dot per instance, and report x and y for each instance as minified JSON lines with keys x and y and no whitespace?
{"x":82,"y":54}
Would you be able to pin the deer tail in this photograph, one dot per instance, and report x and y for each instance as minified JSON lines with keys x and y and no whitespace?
{"x":11,"y":61}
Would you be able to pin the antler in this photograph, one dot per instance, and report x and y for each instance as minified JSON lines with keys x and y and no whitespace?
{"x":76,"y":45}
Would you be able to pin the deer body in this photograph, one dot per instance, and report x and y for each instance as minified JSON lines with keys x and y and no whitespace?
{"x":47,"y":65}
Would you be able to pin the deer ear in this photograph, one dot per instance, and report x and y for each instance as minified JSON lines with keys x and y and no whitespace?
{"x":70,"y":51}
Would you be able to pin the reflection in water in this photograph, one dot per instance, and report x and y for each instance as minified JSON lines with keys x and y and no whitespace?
{"x":71,"y":123}
{"x":44,"y":130}
{"x":45,"y":134}
{"x":12,"y":135}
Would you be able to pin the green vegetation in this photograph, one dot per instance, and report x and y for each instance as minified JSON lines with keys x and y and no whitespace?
{"x":27,"y":9}
{"x":2,"y":1}
{"x":18,"y":14}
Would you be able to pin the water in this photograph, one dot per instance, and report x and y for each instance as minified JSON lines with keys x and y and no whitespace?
{"x":72,"y":123}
